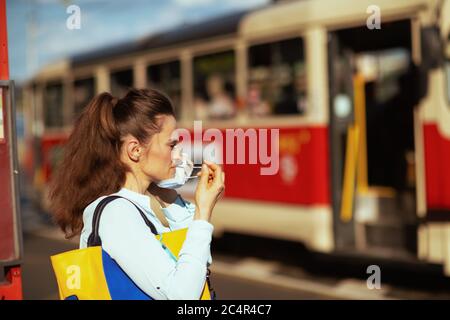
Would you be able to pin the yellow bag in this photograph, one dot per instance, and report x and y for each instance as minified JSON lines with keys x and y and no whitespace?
{"x":91,"y":274}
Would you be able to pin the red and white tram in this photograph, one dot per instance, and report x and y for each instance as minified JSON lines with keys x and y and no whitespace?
{"x":363,"y":115}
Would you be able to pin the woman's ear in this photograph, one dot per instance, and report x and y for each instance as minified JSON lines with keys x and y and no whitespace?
{"x":133,"y":149}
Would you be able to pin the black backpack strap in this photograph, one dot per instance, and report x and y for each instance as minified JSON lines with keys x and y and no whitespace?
{"x":94,"y":237}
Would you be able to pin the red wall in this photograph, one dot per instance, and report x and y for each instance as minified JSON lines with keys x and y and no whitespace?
{"x":437,"y":168}
{"x":6,"y":217}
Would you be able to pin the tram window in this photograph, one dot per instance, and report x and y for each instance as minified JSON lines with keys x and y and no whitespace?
{"x":166,"y":78}
{"x":277,"y":78}
{"x":53,"y":105}
{"x":214,"y":85}
{"x":84,"y":91}
{"x":121,"y":81}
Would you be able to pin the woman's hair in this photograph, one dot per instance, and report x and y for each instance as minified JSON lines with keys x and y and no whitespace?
{"x":91,"y":165}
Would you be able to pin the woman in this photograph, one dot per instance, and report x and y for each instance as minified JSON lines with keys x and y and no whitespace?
{"x":124,"y":147}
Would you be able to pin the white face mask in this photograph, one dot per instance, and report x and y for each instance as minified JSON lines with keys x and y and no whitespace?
{"x":183,"y":171}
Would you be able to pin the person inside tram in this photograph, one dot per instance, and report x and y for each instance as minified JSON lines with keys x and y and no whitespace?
{"x":200,"y":107}
{"x":127,"y":147}
{"x":379,"y":170}
{"x":221,"y":104}
{"x":401,"y":122}
{"x":257,"y":106}
{"x":392,"y":123}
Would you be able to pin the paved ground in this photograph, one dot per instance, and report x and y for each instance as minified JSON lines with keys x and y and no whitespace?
{"x":233,"y":277}
{"x":39,"y":281}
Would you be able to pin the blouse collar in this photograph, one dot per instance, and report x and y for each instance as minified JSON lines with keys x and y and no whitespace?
{"x":138,"y":198}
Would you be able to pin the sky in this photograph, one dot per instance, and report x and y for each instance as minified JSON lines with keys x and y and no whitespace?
{"x":38,"y":35}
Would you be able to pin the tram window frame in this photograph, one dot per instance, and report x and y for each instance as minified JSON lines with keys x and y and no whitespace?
{"x":200,"y":86}
{"x":50,"y":108}
{"x":121,"y":90}
{"x":447,"y":75}
{"x":281,"y":58}
{"x":171,"y":78}
{"x":77,"y":108}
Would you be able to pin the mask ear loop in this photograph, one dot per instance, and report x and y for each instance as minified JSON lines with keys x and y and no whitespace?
{"x":195,"y":176}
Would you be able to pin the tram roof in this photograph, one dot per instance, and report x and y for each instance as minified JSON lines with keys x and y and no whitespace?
{"x":217,"y":26}
{"x":292,"y":15}
{"x":265,"y":20}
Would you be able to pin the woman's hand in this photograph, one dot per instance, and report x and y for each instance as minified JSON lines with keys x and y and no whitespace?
{"x":164,"y":196}
{"x":210,"y":186}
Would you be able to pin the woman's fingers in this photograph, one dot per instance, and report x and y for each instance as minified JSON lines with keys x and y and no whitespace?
{"x":212,"y":175}
{"x":204,"y":173}
{"x":212,"y":168}
{"x":211,"y":165}
{"x":218,"y":177}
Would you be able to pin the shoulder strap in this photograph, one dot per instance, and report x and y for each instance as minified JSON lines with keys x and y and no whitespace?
{"x":94,"y":237}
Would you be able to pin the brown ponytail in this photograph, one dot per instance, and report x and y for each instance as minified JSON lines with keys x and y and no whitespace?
{"x":91,"y":165}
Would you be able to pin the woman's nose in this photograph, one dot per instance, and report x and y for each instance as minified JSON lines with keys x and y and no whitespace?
{"x":176,"y":155}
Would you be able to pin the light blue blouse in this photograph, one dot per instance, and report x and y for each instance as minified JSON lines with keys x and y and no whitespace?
{"x":128,"y":240}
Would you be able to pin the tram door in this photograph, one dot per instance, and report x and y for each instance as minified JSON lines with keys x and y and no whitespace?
{"x":372,"y":139}
{"x":341,"y":120}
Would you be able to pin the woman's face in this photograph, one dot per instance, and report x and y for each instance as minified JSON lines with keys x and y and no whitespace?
{"x":156,"y":160}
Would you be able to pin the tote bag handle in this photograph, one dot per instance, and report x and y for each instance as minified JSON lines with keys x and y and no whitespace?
{"x":94,"y":238}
